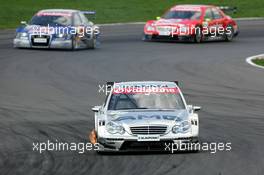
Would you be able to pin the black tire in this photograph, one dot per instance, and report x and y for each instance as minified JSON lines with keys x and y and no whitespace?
{"x":196,"y":150}
{"x":229,"y":35}
{"x":92,"y":44}
{"x":146,"y":37}
{"x":100,"y":152}
{"x":198,"y":37}
{"x":74,"y":44}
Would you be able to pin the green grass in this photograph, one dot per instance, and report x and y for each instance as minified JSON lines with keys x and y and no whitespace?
{"x":258,"y":61}
{"x":109,"y":11}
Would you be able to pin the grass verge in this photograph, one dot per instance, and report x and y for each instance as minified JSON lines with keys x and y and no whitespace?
{"x":110,"y":11}
{"x":259,"y":61}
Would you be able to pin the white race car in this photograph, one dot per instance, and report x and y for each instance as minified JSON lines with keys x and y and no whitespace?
{"x":147,"y":115}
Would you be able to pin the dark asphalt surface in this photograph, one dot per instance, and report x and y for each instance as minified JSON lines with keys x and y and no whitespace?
{"x":47,"y":95}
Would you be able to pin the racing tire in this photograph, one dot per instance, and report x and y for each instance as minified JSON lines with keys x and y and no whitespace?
{"x":229,"y":36}
{"x":198,"y":37}
{"x":195,"y":150}
{"x":146,"y":37}
{"x":74,"y":44}
{"x":92,"y":44}
{"x":102,"y":152}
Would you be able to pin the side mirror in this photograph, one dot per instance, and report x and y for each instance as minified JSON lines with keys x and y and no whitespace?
{"x":23,"y":23}
{"x":158,"y":17}
{"x":197,"y":108}
{"x":207,"y":20}
{"x":96,"y":108}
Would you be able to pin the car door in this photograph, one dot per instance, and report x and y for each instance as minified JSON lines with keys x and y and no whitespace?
{"x":218,"y":20}
{"x":89,"y":33}
{"x":208,"y":21}
{"x":81,"y":32}
{"x":88,"y":25}
{"x":77,"y":20}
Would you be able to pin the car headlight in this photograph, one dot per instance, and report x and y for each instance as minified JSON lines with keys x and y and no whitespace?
{"x":114,"y":128}
{"x":150,"y":28}
{"x":60,"y":35}
{"x":182,"y":127}
{"x":63,"y":35}
{"x":22,"y":35}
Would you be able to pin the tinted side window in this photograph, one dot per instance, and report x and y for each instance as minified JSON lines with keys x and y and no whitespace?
{"x":84,"y":19}
{"x":217,"y":14}
{"x":77,"y":20}
{"x":197,"y":15}
{"x":106,"y":98}
{"x":208,"y":14}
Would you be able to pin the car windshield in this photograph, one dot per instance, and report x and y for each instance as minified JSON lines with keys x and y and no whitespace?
{"x":145,"y":101}
{"x":52,"y":20}
{"x":179,"y":14}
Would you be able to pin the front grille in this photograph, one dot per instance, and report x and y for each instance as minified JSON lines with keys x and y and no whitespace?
{"x":47,"y":37}
{"x":164,"y":29}
{"x":147,"y":130}
{"x":145,"y":146}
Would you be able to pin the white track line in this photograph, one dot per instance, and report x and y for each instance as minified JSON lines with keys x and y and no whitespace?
{"x":249,"y":19}
{"x":249,"y":60}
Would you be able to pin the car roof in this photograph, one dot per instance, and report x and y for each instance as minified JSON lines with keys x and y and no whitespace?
{"x":192,"y":6}
{"x":147,"y":83}
{"x":59,"y":10}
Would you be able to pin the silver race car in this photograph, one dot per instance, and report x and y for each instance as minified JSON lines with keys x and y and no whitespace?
{"x":58,"y":29}
{"x":139,"y":116}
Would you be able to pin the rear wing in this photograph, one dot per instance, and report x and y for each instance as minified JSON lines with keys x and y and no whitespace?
{"x":111,"y":84}
{"x":227,"y":9}
{"x":90,"y":14}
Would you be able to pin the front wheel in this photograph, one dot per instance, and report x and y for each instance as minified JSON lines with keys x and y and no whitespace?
{"x":198,"y":36}
{"x":146,"y":37}
{"x":74,"y":44}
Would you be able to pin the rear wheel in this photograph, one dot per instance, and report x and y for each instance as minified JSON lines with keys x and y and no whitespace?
{"x":92,"y":44}
{"x":229,"y":33}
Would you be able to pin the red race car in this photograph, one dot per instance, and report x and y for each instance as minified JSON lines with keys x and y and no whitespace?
{"x":195,"y":23}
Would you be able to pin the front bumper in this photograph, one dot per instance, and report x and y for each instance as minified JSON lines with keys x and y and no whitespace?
{"x":125,"y":145}
{"x":169,"y":38}
{"x":54,"y":44}
{"x":21,"y":43}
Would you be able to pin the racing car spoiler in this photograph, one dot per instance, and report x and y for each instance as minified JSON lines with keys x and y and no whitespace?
{"x":227,"y":9}
{"x":90,"y":13}
{"x":111,"y":84}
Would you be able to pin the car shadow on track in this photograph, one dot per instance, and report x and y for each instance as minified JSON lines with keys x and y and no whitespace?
{"x":56,"y":50}
{"x":133,"y":153}
{"x":188,"y":42}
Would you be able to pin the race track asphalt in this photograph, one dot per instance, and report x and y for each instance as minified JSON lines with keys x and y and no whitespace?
{"x":48,"y":95}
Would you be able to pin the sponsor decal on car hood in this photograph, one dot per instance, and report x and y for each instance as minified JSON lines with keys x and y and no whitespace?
{"x":168,"y":21}
{"x":175,"y":22}
{"x":137,"y":117}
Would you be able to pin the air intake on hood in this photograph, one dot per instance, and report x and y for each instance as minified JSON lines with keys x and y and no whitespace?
{"x":137,"y":130}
